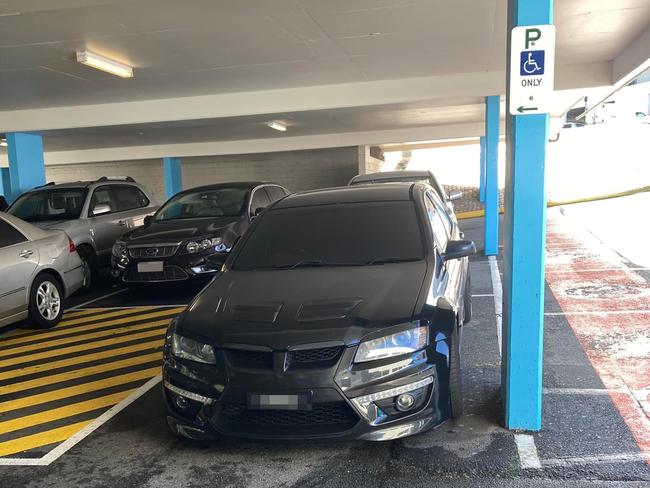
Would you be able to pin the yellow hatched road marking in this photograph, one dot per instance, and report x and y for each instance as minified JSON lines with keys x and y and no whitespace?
{"x":71,"y":391}
{"x":91,"y":311}
{"x":62,"y":412}
{"x":59,"y":332}
{"x":79,"y":373}
{"x":83,"y":337}
{"x":81,"y":347}
{"x":86,"y":358}
{"x":41,"y":439}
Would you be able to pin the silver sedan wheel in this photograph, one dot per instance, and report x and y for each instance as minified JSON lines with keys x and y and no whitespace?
{"x":48,"y":300}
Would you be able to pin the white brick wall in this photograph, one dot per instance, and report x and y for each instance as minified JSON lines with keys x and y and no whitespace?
{"x":296,"y":170}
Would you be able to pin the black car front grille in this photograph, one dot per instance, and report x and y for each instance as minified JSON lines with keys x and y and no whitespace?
{"x":322,"y":357}
{"x":169,"y":273}
{"x":240,"y":358}
{"x":153,"y":251}
{"x":336,"y":415}
{"x":307,"y":358}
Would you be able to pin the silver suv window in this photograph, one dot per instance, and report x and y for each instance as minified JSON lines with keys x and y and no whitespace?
{"x":129,"y":197}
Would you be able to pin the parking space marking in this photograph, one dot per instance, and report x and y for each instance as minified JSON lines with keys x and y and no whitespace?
{"x":95,"y":300}
{"x":527,"y":450}
{"x":54,"y":384}
{"x":598,"y":459}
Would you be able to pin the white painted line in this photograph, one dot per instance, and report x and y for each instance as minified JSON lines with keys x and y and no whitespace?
{"x":22,"y":462}
{"x":527,"y":450}
{"x":579,"y":391}
{"x":596,"y":270}
{"x":498,"y":294}
{"x":68,"y":444}
{"x":598,"y":459}
{"x":597,"y":312}
{"x":483,"y":295}
{"x":78,"y":307}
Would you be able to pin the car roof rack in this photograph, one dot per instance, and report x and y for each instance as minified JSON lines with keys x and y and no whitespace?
{"x":116,"y":178}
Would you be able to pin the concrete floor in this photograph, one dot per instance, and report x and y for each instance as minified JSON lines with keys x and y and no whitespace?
{"x":585,"y":441}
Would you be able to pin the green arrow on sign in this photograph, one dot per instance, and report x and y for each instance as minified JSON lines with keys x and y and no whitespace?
{"x":523,"y":109}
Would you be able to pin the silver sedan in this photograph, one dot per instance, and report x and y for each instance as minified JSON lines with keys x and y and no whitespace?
{"x":38,"y":270}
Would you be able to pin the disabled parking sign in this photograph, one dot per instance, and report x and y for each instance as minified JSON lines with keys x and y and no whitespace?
{"x":532,"y":69}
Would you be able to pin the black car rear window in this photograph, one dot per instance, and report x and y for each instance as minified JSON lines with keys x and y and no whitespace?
{"x":337,"y":234}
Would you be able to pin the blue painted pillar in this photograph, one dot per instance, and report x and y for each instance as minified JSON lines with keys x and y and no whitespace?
{"x":524,"y":246}
{"x":26,"y":163}
{"x":492,"y":122}
{"x":173,"y":175}
{"x":481,"y":188}
{"x":5,"y":184}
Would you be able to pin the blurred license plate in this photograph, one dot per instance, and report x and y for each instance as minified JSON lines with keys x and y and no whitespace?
{"x":150,"y":267}
{"x":301,"y":401}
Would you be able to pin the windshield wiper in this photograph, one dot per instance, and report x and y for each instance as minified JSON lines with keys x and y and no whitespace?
{"x":391,"y":259}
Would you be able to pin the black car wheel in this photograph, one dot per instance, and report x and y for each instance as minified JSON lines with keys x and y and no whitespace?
{"x":455,"y":378}
{"x":45,"y":301}
{"x":88,"y":266}
{"x":467,"y":307}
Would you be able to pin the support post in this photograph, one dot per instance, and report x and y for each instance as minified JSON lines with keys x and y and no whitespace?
{"x":492,"y":122}
{"x":481,"y":187}
{"x":173,"y":176}
{"x":26,"y":163}
{"x":524,"y":246}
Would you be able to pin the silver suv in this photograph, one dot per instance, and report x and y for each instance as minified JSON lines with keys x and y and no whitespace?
{"x":93,"y":213}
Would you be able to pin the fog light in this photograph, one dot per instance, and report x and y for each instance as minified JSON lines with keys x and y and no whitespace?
{"x":404,"y":402}
{"x":181,"y":402}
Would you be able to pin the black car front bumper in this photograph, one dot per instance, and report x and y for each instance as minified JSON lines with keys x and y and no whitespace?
{"x":215,"y":399}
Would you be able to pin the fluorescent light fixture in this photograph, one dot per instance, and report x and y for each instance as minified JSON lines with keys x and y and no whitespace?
{"x":277,"y":125}
{"x":3,"y":142}
{"x":102,"y":63}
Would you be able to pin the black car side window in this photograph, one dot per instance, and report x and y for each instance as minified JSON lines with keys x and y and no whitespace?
{"x":275,"y":193}
{"x":9,"y":235}
{"x":259,"y":200}
{"x":440,"y":232}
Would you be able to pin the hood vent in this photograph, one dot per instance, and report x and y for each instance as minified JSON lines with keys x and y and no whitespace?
{"x":256,"y":312}
{"x":326,"y":309}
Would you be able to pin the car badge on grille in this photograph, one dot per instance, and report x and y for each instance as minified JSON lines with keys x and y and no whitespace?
{"x":152,"y":251}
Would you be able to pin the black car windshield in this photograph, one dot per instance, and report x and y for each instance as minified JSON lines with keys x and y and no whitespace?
{"x":56,"y":204}
{"x":350,"y":234}
{"x":219,"y":202}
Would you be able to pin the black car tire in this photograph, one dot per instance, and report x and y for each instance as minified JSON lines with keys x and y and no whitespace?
{"x":467,"y":307}
{"x":455,"y":378}
{"x":36,"y":317}
{"x":89,"y":265}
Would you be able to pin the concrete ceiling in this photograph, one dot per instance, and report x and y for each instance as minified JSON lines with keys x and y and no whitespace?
{"x":194,"y":47}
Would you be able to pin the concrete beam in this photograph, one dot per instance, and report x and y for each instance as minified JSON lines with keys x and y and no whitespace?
{"x":251,"y":146}
{"x":462,"y":85}
{"x":633,"y":59}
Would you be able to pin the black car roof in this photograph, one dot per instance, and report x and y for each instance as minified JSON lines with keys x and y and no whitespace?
{"x":349,"y":194}
{"x":230,"y":184}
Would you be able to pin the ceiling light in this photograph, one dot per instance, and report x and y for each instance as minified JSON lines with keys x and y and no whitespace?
{"x":277,"y":125}
{"x":100,"y":62}
{"x":3,"y":142}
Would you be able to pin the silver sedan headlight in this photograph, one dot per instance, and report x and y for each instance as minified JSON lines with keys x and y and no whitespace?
{"x":185,"y":348}
{"x":404,"y":342}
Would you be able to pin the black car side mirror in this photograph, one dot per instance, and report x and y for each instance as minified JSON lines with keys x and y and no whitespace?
{"x":459,"y":249}
{"x":148,"y":219}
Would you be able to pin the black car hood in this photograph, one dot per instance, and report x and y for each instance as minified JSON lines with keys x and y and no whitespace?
{"x":178,"y":230}
{"x":282,"y":308}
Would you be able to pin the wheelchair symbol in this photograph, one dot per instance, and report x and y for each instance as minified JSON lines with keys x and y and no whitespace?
{"x":532,"y":63}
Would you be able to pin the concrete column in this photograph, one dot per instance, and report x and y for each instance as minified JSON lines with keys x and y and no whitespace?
{"x":524,"y":245}
{"x":364,"y":159}
{"x":5,"y":184}
{"x":26,"y":163}
{"x":481,"y":188}
{"x":173,"y":176}
{"x":492,"y":122}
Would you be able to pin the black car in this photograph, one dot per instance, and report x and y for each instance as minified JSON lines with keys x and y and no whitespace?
{"x":190,"y":236}
{"x":337,"y":315}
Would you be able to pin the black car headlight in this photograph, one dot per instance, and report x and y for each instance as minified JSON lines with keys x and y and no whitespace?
{"x":403,"y":342}
{"x":185,"y":348}
{"x":215,"y":243}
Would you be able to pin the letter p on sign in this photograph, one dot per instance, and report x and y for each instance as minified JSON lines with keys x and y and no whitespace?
{"x":532,"y":35}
